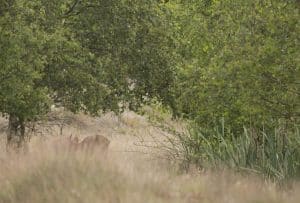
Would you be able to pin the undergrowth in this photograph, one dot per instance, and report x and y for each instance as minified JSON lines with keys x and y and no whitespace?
{"x":274,"y":154}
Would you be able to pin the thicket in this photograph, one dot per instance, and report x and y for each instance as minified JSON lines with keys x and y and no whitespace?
{"x":218,"y":63}
{"x":90,"y":55}
{"x":239,"y":83}
{"x":241,"y":63}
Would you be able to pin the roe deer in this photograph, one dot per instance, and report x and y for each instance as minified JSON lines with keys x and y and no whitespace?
{"x":90,"y":143}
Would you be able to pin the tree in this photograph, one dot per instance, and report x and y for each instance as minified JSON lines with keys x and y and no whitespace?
{"x":132,"y":42}
{"x":21,"y":66}
{"x":90,"y":56}
{"x":241,"y":62}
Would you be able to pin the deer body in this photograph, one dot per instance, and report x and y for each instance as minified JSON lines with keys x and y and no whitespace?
{"x":90,"y":143}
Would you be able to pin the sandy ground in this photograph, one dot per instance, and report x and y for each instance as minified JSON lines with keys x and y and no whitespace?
{"x":128,"y":132}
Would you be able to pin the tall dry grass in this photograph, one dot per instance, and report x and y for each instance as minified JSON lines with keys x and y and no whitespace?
{"x":50,"y":173}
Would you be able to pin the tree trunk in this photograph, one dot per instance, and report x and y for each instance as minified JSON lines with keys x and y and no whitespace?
{"x":16,"y":132}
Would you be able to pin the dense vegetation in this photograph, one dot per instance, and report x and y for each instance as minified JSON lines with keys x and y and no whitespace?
{"x":230,"y":67}
{"x":239,"y":82}
{"x":87,"y":55}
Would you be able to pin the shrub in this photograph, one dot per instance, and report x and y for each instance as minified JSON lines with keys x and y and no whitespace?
{"x":272,"y":153}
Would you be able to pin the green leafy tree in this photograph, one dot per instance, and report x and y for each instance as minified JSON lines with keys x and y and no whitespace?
{"x":132,"y":42}
{"x":22,"y":66}
{"x":241,"y":62}
{"x":90,"y":56}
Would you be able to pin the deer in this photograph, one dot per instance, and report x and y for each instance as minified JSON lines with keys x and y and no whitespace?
{"x":89,"y":143}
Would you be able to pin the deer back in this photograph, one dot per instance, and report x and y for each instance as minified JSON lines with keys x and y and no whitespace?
{"x":92,"y":142}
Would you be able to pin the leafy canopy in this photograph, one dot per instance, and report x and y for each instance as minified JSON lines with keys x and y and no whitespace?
{"x":241,"y":62}
{"x":88,"y":55}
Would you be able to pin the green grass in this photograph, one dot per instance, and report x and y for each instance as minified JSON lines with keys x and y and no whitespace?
{"x":274,"y":154}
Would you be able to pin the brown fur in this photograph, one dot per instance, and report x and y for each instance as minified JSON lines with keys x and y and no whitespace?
{"x":90,"y":143}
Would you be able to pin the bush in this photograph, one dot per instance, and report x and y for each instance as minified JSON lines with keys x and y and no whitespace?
{"x":272,"y":153}
{"x":240,"y":63}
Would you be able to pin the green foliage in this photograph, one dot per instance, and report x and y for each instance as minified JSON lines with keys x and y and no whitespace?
{"x":21,"y":62}
{"x":240,"y":69}
{"x":241,"y":63}
{"x":130,"y":42}
{"x":88,"y":55}
{"x":229,"y":62}
{"x":273,"y":154}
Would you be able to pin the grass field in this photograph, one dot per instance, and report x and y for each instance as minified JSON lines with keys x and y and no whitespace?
{"x":133,"y":170}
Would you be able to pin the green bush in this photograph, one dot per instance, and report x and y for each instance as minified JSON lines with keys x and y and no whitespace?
{"x":240,"y":62}
{"x":272,"y":153}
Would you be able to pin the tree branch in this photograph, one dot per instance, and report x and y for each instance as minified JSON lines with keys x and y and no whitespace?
{"x":72,"y":8}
